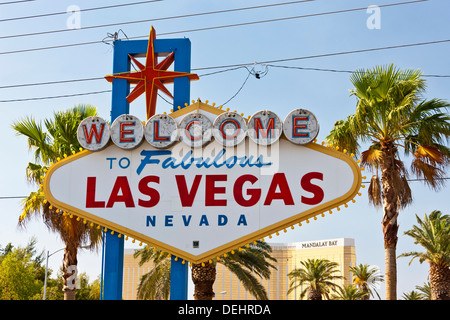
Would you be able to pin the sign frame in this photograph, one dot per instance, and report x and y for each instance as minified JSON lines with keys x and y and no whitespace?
{"x":240,"y":242}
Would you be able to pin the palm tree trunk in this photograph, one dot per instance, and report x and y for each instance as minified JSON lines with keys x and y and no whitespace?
{"x":69,"y":271}
{"x":365,"y":288}
{"x":389,"y":222}
{"x":314,"y":294}
{"x":439,"y":282}
{"x":203,"y":278}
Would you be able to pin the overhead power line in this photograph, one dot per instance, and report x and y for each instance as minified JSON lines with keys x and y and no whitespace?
{"x":49,"y":82}
{"x":233,"y":66}
{"x":14,"y":2}
{"x":81,"y":10}
{"x":330,"y":54}
{"x":207,"y":74}
{"x":213,"y":27}
{"x":289,"y":18}
{"x":156,"y":19}
{"x":55,"y":97}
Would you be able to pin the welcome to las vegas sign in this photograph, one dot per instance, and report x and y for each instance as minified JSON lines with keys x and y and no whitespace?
{"x":201,"y":181}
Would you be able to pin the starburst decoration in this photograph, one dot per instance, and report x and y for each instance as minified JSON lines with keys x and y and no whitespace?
{"x":151,"y":77}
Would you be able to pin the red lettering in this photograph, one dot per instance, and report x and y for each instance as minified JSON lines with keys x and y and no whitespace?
{"x":279,"y":180}
{"x":254,"y":194}
{"x":148,"y":191}
{"x":90,"y":194}
{"x":93,"y":131}
{"x":237,"y":128}
{"x":267,"y":131}
{"x":308,"y":186}
{"x":187,"y":130}
{"x":122,"y":185}
{"x":211,"y":190}
{"x":156,"y":135}
{"x":124,"y":132}
{"x":296,"y":126}
{"x":187,"y":197}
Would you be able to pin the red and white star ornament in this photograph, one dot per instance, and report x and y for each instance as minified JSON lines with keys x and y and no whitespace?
{"x":151,"y":77}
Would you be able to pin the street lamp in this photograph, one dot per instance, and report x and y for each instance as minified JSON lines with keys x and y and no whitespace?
{"x":46,"y":268}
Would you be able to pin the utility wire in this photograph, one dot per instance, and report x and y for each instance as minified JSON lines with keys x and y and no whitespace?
{"x":204,"y":75}
{"x":231,"y":67}
{"x":81,"y":10}
{"x":49,"y":82}
{"x":342,"y":71}
{"x":14,"y":2}
{"x":415,"y":180}
{"x":329,"y":54}
{"x":55,"y":97}
{"x":289,"y":18}
{"x":209,"y":28}
{"x":158,"y":19}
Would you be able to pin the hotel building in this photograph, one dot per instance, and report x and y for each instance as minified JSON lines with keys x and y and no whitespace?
{"x":288,"y":256}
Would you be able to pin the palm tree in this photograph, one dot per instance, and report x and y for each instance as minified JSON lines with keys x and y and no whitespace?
{"x":391,"y":115}
{"x":412,"y":295}
{"x":318,"y":275}
{"x":247,"y":263}
{"x":366,"y":279}
{"x":349,"y":292}
{"x":433,"y":234}
{"x":58,"y":140}
{"x":154,"y":285}
{"x":425,"y":291}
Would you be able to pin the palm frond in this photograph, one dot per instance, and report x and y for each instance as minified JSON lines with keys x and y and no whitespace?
{"x":371,"y":157}
{"x":155,"y":285}
{"x":343,"y":135}
{"x":38,"y":140}
{"x":317,"y":274}
{"x":433,"y":234}
{"x":432,"y":174}
{"x":374,"y":191}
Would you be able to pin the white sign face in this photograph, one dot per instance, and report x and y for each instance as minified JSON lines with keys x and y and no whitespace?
{"x":200,"y":203}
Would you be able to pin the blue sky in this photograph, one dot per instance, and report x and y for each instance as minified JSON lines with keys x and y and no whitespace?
{"x":282,"y":89}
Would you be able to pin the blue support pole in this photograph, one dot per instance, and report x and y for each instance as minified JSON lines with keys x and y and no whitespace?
{"x":178,"y":280}
{"x":112,"y":269}
{"x":113,"y":245}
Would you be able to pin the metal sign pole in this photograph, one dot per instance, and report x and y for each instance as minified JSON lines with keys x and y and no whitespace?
{"x":114,"y":246}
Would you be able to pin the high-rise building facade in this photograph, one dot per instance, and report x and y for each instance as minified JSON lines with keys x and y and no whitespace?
{"x":288,"y":256}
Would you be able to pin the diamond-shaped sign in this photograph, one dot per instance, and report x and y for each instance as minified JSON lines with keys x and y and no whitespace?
{"x":198,"y":203}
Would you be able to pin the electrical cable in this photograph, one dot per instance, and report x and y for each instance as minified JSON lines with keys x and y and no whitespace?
{"x":329,"y":54}
{"x":236,"y":66}
{"x":242,"y":86}
{"x":202,"y":75}
{"x":207,"y":28}
{"x":81,"y":10}
{"x":85,"y":93}
{"x":55,"y":97}
{"x":14,"y":2}
{"x":342,"y":71}
{"x":157,"y":19}
{"x":287,"y":18}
